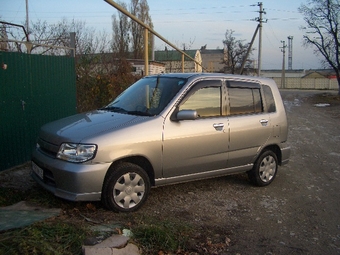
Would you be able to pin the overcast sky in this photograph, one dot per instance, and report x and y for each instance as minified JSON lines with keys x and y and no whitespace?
{"x":191,"y":22}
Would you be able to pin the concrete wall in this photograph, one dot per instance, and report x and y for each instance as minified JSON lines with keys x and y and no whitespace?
{"x":308,"y":83}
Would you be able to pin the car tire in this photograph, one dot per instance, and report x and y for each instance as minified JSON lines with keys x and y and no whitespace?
{"x":264,"y":169}
{"x":126,"y":188}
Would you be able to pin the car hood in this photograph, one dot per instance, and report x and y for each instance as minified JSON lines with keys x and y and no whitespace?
{"x":78,"y":127}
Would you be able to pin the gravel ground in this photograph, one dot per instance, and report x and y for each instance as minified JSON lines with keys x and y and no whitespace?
{"x":297,"y":214}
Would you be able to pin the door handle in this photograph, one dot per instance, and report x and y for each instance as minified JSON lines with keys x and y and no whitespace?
{"x":264,"y":122}
{"x":218,"y":126}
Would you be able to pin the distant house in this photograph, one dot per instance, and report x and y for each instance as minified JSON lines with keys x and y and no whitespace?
{"x":320,"y":73}
{"x":173,"y":60}
{"x":314,"y":75}
{"x":211,"y":60}
{"x":107,"y":61}
{"x":139,"y":65}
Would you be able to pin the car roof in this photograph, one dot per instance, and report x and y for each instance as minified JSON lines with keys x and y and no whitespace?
{"x":222,"y":75}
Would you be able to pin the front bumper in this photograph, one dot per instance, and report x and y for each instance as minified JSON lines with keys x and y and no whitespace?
{"x":71,"y":181}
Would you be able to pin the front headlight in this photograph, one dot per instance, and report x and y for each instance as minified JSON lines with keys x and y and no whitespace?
{"x":77,"y":152}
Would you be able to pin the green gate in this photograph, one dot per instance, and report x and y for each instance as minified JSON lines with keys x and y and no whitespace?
{"x":34,"y":90}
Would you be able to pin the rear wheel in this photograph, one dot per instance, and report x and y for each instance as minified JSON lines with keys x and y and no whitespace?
{"x":265,"y":169}
{"x":125,"y":188}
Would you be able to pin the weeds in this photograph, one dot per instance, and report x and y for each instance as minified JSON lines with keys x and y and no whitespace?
{"x":44,"y":238}
{"x":332,"y":99}
{"x":10,"y":196}
{"x":38,"y":195}
{"x":55,"y":236}
{"x":168,"y":236}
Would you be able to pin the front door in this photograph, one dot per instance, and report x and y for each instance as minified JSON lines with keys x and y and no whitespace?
{"x":200,"y":145}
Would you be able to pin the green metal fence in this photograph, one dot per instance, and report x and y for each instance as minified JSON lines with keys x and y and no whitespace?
{"x":34,"y":90}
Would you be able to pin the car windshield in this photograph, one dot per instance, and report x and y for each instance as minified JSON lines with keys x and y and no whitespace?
{"x":147,"y":97}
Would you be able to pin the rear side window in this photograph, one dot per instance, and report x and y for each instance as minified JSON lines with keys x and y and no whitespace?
{"x":243,"y":99}
{"x":268,"y":95}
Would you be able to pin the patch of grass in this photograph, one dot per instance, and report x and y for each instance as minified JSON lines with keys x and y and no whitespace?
{"x":10,"y":196}
{"x":40,"y":196}
{"x":166,"y":236}
{"x":44,"y":238}
{"x":37,"y":195}
{"x":329,"y":98}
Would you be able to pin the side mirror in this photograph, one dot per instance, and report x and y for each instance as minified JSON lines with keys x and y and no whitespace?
{"x":186,"y":115}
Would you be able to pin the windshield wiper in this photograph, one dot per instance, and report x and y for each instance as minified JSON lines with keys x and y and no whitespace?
{"x":114,"y":109}
{"x":140,"y":113}
{"x":122,"y":110}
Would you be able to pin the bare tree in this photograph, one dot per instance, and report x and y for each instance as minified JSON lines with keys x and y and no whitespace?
{"x":121,"y":33}
{"x":236,"y":51}
{"x":140,"y":9}
{"x":57,"y":34}
{"x":48,"y":38}
{"x":322,"y":31}
{"x":4,"y":38}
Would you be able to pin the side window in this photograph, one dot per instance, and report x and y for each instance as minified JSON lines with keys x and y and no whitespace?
{"x":244,"y":100}
{"x":257,"y":100}
{"x":206,"y":101}
{"x":268,"y":95}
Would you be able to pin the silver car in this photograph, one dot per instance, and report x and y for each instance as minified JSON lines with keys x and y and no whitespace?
{"x":165,"y":129}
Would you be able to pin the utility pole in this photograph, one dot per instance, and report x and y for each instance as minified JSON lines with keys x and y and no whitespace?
{"x":28,"y":43}
{"x":27,"y":21}
{"x":283,"y":76}
{"x":260,"y":20}
{"x":249,"y":48}
{"x":290,"y":52}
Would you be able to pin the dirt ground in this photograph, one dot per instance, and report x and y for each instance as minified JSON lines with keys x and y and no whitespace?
{"x":297,"y":214}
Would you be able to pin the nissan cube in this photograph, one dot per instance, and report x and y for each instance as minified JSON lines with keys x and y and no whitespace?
{"x":165,"y":129}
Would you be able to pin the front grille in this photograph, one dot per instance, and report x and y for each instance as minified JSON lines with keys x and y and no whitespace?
{"x":48,"y":148}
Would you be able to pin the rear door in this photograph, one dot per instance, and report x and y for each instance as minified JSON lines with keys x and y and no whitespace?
{"x":200,"y":145}
{"x":249,"y":124}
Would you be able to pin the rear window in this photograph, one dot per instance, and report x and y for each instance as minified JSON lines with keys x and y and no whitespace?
{"x":243,"y":99}
{"x":268,"y":95}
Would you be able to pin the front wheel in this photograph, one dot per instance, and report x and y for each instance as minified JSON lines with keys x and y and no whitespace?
{"x":264,"y":169}
{"x":125,"y":188}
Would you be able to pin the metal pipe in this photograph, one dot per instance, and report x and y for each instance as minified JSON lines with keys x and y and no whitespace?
{"x":16,"y":25}
{"x":146,"y":51}
{"x":119,"y":8}
{"x":182,"y":63}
